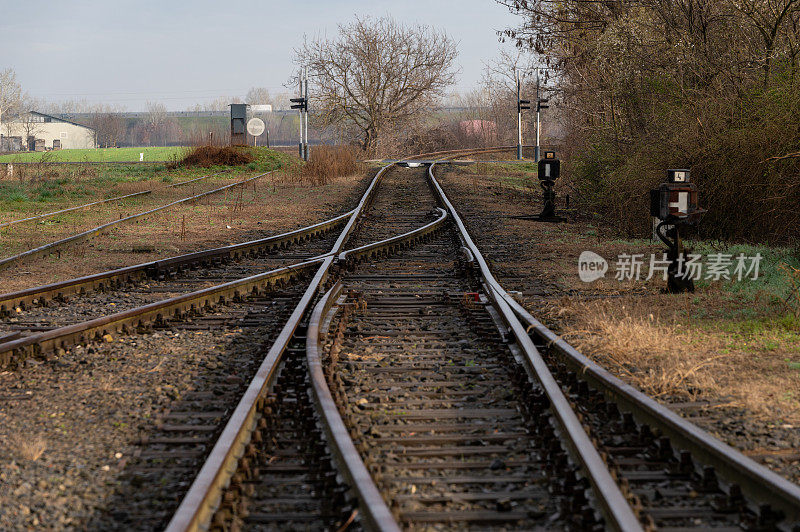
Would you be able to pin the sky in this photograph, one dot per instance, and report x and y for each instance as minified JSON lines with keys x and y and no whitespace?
{"x":180,"y":52}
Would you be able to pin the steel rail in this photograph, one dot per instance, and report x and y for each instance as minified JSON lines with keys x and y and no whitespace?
{"x":373,"y":508}
{"x":14,"y":351}
{"x":755,"y":480}
{"x":85,"y":205}
{"x":617,"y":511}
{"x":464,"y":151}
{"x":203,"y":498}
{"x":394,"y":243}
{"x":92,"y":204}
{"x":52,"y":163}
{"x":4,"y":263}
{"x":194,"y":180}
{"x":28,"y":296}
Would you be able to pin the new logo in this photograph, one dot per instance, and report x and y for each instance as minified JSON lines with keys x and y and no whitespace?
{"x":591,"y":266}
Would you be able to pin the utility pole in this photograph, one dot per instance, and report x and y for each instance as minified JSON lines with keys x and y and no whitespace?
{"x":538,"y":121}
{"x":305,"y":114}
{"x":301,"y":103}
{"x":519,"y":121}
{"x":541,"y":103}
{"x":521,"y":104}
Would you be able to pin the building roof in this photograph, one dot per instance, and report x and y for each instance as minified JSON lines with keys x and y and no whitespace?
{"x":60,"y":119}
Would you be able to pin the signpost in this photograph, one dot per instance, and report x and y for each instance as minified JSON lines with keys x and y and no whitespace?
{"x":256,"y":127}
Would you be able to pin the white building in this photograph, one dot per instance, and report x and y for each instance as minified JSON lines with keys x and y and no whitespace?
{"x":34,"y":131}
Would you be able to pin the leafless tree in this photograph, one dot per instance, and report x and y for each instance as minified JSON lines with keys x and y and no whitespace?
{"x":377,"y":74}
{"x":157,"y":125}
{"x":218,"y":104}
{"x":11,"y":95}
{"x":258,"y":96}
{"x":109,"y":127}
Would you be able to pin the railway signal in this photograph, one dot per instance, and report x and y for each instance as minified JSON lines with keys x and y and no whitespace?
{"x":541,"y":103}
{"x":674,"y":203}
{"x":301,"y":104}
{"x":549,"y":170}
{"x":238,"y":119}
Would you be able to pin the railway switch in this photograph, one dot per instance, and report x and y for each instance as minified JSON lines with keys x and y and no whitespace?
{"x":549,"y":171}
{"x":675,"y":205}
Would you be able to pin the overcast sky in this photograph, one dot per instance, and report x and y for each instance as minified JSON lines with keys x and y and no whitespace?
{"x":184,"y":52}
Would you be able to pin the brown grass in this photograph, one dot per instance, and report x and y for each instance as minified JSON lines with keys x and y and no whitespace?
{"x":329,"y":162}
{"x":26,"y":447}
{"x":207,"y":156}
{"x":666,"y":357}
{"x":646,"y":350}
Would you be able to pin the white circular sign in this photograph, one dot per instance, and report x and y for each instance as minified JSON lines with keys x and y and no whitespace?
{"x":255,"y":126}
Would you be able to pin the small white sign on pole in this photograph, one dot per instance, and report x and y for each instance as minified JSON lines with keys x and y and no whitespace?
{"x":255,"y":126}
{"x":141,"y":156}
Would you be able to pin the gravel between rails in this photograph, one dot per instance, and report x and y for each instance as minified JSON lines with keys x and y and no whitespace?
{"x":70,"y":427}
{"x":96,"y":304}
{"x":424,"y":382}
{"x":520,"y":254}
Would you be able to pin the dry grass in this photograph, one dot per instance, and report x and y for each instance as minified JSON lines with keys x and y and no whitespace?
{"x":666,"y":357}
{"x":644,"y":349}
{"x":327,"y":163}
{"x":26,"y":447}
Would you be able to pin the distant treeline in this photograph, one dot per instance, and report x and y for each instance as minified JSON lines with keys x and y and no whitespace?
{"x":168,"y":129}
{"x":645,"y":86}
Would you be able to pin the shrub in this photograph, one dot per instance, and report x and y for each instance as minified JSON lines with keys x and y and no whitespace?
{"x":328,"y":162}
{"x":736,"y":150}
{"x":207,"y":156}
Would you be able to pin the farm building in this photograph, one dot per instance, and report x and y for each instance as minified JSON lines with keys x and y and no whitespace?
{"x":34,"y":131}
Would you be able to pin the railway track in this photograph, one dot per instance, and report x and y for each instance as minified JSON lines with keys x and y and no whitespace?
{"x":49,"y":247}
{"x":107,"y":200}
{"x":438,"y":411}
{"x":402,"y":387}
{"x":37,"y":323}
{"x":156,"y":281}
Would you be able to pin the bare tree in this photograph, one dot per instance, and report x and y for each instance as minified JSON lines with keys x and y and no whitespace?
{"x":11,"y":95}
{"x":258,"y":96}
{"x":218,"y":104}
{"x":109,"y":127}
{"x":377,"y":74}
{"x":156,"y":122}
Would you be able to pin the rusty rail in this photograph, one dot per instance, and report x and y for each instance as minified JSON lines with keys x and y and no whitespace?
{"x":394,"y":243}
{"x":4,"y":263}
{"x":200,"y":503}
{"x":92,"y":204}
{"x":15,"y":351}
{"x":618,"y":513}
{"x":373,"y":508}
{"x":756,"y":481}
{"x":28,"y":296}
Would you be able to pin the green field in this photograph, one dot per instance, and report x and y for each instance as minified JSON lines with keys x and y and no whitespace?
{"x":99,"y":155}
